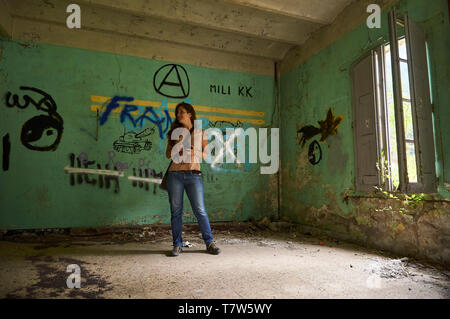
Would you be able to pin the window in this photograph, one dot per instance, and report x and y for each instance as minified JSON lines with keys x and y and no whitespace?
{"x":394,"y":143}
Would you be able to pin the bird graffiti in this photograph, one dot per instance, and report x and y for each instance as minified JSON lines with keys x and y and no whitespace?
{"x":326,"y":128}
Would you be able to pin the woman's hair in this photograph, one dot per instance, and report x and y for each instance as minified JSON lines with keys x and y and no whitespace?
{"x":175,"y":124}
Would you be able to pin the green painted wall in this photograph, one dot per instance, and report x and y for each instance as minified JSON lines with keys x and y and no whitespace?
{"x":316,"y":195}
{"x":324,"y":81}
{"x":35,"y":190}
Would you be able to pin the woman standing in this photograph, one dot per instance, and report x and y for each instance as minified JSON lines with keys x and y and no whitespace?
{"x":187,"y":176}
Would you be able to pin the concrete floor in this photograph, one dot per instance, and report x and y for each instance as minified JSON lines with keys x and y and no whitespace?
{"x":253,"y":264}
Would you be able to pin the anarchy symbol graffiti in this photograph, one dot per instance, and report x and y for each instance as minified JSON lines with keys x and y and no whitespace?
{"x":171,"y":80}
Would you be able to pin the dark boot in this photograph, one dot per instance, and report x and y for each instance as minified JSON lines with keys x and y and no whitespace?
{"x":176,"y":251}
{"x":213,"y":249}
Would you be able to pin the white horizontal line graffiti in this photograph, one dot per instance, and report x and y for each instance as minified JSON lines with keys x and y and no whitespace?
{"x":143,"y":179}
{"x":69,"y":169}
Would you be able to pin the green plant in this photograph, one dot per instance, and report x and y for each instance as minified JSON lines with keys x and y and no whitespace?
{"x":383,"y":166}
{"x":412,"y":200}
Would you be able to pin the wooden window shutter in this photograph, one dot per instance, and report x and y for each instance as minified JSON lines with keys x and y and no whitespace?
{"x":419,"y":83}
{"x":364,"y":125}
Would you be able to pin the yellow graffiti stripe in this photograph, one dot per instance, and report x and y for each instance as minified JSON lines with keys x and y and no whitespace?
{"x":101,"y":108}
{"x":198,"y":108}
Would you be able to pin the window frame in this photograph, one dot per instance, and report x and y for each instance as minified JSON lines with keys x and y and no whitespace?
{"x":378,"y":70}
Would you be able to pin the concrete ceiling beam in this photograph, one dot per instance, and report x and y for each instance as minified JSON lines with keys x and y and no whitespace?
{"x":58,"y":34}
{"x":133,"y":25}
{"x":219,"y":15}
{"x":5,"y":19}
{"x":322,"y":12}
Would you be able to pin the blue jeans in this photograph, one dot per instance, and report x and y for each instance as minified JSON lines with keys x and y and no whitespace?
{"x":177,"y":182}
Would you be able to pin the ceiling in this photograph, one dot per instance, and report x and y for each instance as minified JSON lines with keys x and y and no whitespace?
{"x":250,"y":29}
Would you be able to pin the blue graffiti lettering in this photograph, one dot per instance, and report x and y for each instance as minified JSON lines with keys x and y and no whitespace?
{"x":159,"y":116}
{"x":113,"y":105}
{"x":125,"y":114}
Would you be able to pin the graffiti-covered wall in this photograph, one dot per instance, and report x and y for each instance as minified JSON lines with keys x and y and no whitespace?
{"x":84,"y":133}
{"x":318,"y":165}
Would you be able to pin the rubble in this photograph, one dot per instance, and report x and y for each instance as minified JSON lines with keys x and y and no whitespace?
{"x":275,"y":226}
{"x":388,"y":268}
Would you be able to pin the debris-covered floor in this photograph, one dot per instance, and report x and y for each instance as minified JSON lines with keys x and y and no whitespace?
{"x":254,"y":263}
